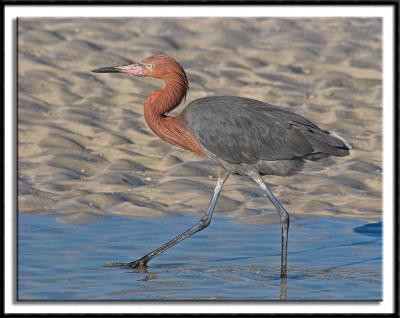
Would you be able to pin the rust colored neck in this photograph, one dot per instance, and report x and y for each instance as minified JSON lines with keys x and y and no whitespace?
{"x":169,"y":128}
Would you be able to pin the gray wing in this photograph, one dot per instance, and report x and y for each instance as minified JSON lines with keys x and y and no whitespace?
{"x":242,"y":130}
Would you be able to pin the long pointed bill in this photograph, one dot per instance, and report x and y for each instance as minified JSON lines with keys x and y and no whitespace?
{"x":136,"y":69}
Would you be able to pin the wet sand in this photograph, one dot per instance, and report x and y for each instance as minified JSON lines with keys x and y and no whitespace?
{"x":85,"y":152}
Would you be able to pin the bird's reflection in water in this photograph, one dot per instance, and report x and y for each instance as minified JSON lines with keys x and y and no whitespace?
{"x":149,"y":276}
{"x":144,"y":270}
{"x":283,"y":293}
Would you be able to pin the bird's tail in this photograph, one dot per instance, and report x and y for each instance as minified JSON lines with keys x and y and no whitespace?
{"x":345,"y":142}
{"x":328,"y":143}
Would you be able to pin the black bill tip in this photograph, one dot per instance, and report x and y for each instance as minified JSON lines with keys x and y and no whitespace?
{"x":110,"y":69}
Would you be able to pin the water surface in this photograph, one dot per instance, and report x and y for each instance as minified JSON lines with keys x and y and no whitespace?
{"x":329,"y":259}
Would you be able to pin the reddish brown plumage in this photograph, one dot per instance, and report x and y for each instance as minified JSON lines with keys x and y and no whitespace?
{"x":160,"y":102}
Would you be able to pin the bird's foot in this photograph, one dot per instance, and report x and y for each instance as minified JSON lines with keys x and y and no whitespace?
{"x":116,"y":264}
{"x":139,"y":265}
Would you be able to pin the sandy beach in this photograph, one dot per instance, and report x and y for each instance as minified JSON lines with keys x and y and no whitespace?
{"x":85,"y":151}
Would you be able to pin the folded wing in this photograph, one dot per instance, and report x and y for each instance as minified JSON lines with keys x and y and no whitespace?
{"x":242,"y":130}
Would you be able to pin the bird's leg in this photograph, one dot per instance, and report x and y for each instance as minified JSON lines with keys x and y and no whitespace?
{"x":284,"y":221}
{"x":203,"y":223}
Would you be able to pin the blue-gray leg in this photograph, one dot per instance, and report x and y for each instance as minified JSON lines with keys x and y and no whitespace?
{"x":203,"y":223}
{"x":284,"y":221}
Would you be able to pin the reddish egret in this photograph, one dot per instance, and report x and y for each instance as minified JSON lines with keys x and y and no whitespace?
{"x":242,"y":135}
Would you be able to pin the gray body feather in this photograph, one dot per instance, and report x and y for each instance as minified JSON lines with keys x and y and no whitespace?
{"x":243,"y":134}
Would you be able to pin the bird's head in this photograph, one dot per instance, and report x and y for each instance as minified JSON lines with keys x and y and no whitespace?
{"x":157,"y":66}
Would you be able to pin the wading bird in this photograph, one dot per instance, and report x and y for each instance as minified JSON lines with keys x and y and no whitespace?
{"x":242,"y":135}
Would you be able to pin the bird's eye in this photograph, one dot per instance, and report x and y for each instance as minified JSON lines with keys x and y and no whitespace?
{"x":150,"y":66}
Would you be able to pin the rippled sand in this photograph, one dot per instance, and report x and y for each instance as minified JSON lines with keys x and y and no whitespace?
{"x":84,"y":150}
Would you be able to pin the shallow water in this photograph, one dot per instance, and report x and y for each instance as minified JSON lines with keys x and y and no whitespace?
{"x":329,"y":259}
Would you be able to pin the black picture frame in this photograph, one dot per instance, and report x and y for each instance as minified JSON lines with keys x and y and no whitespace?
{"x":394,"y":4}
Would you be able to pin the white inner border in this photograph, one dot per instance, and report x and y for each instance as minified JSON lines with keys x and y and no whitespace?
{"x":385,"y":12}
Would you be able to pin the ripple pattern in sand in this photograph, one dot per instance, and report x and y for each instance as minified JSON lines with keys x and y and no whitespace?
{"x":84,"y":150}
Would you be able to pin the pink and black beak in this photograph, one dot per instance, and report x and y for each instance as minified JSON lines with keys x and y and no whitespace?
{"x":136,"y":69}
